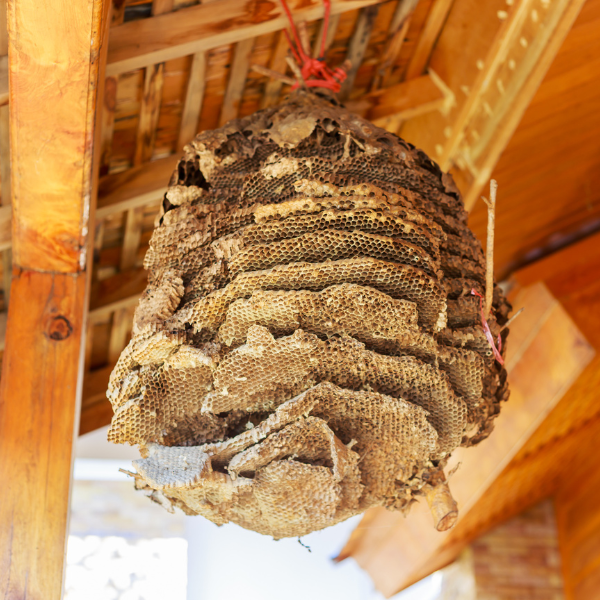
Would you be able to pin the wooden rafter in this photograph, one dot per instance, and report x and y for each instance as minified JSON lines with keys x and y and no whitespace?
{"x":494,"y":78}
{"x":358,"y":46}
{"x":52,"y":140}
{"x":187,"y":31}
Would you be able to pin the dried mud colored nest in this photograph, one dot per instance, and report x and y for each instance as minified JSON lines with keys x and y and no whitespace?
{"x":308,"y":345}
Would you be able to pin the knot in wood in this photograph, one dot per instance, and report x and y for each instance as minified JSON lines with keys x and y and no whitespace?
{"x":59,"y":328}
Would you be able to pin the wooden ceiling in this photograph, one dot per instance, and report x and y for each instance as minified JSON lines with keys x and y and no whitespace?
{"x":507,"y":87}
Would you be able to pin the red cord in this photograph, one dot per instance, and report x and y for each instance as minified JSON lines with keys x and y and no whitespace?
{"x":314,"y":70}
{"x":487,"y":331}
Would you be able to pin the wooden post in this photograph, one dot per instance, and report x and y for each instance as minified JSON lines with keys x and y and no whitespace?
{"x":55,"y":58}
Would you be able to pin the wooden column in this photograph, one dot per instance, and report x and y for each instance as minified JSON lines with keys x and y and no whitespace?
{"x":55,"y":57}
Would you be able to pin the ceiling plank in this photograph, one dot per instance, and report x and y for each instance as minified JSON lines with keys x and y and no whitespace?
{"x":96,"y":410}
{"x":132,"y":237}
{"x":146,"y":42}
{"x":358,"y":46}
{"x":237,"y":81}
{"x":117,"y":12}
{"x":108,"y":123}
{"x":435,"y":21}
{"x":61,"y":44}
{"x":119,"y":291}
{"x":334,"y":21}
{"x":138,"y":186}
{"x":396,"y":34}
{"x":3,"y":80}
{"x":194,"y":96}
{"x":279,"y":65}
{"x":160,"y":7}
{"x":149,"y":112}
{"x":513,"y":94}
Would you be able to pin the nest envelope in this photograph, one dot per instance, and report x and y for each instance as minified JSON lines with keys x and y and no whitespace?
{"x":308,"y":345}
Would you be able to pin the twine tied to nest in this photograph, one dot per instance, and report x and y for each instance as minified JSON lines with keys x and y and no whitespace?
{"x":314,"y":71}
{"x":487,"y":331}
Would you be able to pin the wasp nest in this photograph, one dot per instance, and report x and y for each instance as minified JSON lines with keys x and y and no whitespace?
{"x":308,"y":345}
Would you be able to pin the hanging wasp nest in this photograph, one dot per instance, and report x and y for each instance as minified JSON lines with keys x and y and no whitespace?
{"x":308,"y":345}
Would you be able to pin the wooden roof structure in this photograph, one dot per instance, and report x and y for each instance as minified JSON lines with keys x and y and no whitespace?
{"x":97,"y":99}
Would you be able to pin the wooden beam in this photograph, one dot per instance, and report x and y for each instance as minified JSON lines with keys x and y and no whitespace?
{"x":108,"y":123}
{"x":135,"y":187}
{"x":358,"y":46}
{"x":119,"y":291}
{"x":120,"y":330}
{"x":435,"y":21}
{"x":54,"y":239}
{"x":277,"y":64}
{"x":334,"y":21}
{"x":237,"y":81}
{"x":3,"y":28}
{"x":396,"y":34}
{"x":96,"y":410}
{"x":147,"y":42}
{"x":61,"y":44}
{"x":3,"y":80}
{"x":493,"y":76}
{"x":117,"y":12}
{"x":5,"y":199}
{"x":160,"y":7}
{"x":540,"y":41}
{"x":149,"y":113}
{"x":194,"y":97}
{"x":132,"y":237}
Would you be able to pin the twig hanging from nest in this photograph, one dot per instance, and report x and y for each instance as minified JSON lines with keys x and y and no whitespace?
{"x":489,"y":251}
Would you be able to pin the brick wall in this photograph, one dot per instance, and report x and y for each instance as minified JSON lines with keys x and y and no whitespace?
{"x":520,"y":559}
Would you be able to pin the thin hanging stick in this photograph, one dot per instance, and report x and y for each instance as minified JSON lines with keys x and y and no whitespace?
{"x":507,"y":324}
{"x":486,"y":307}
{"x":489,"y":253}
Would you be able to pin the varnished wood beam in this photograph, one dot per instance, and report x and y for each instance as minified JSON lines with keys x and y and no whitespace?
{"x":277,"y":64}
{"x":59,"y":44}
{"x":146,"y":42}
{"x":493,"y":75}
{"x":3,"y":80}
{"x":433,"y":26}
{"x":194,"y":98}
{"x":237,"y":81}
{"x":149,"y":113}
{"x":135,"y":187}
{"x":396,"y":34}
{"x":358,"y":46}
